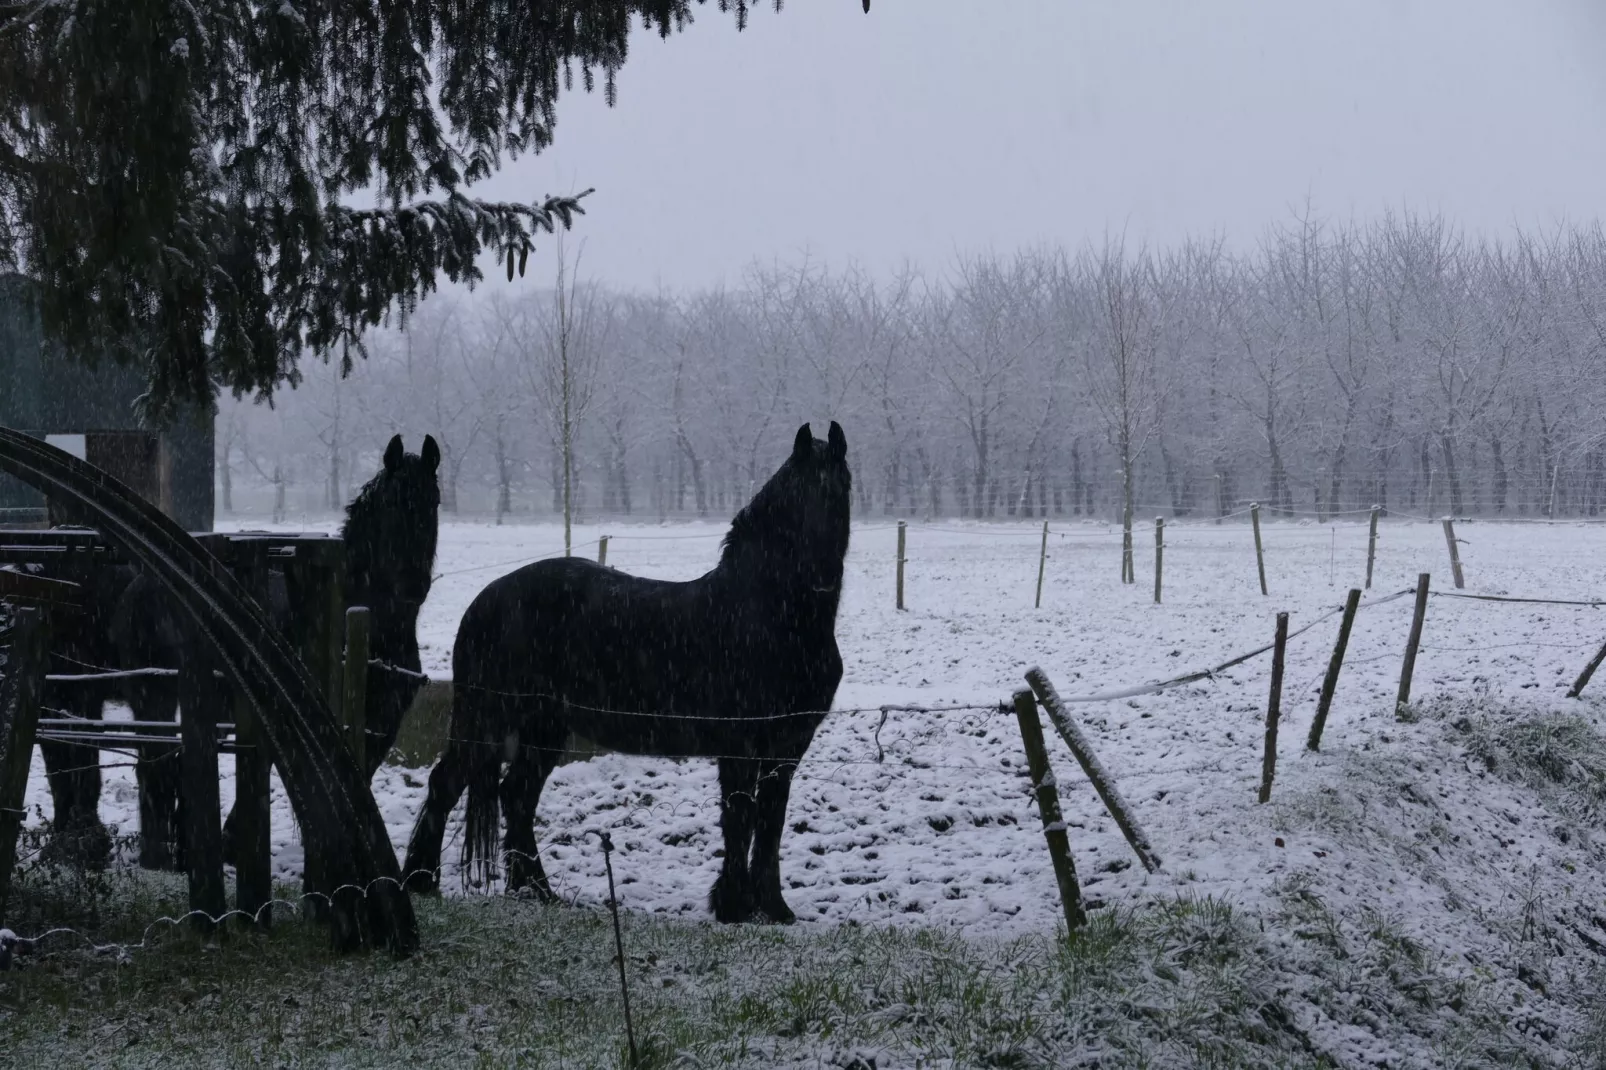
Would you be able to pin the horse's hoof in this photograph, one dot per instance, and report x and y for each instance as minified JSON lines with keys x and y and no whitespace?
{"x":730,"y":907}
{"x":777,"y":912}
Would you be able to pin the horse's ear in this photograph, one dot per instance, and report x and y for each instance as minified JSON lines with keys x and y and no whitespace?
{"x":803,"y":445}
{"x":394,"y":453}
{"x":432,"y":453}
{"x":838,"y":443}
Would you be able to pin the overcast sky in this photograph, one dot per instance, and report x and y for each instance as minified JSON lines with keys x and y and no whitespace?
{"x":933,"y":128}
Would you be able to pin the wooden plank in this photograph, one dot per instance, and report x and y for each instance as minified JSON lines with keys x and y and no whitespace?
{"x":40,"y":590}
{"x":199,"y":698}
{"x":20,"y":689}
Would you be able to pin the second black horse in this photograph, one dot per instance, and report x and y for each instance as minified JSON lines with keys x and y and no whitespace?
{"x":739,"y":665}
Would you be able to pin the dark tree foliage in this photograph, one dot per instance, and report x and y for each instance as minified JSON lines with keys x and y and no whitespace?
{"x":172,"y":173}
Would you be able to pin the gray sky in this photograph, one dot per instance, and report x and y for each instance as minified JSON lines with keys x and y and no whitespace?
{"x":933,"y":128}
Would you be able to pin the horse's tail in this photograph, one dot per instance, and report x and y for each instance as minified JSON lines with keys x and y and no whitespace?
{"x":483,"y":817}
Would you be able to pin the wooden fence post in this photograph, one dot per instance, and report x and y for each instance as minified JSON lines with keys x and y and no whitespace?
{"x":1415,"y":640}
{"x":1330,"y":683}
{"x":1589,"y":670}
{"x":1371,"y":546}
{"x":1042,"y":564}
{"x":902,"y":533}
{"x":253,"y":843}
{"x":20,"y":688}
{"x":1274,"y":709}
{"x":1260,"y":549}
{"x":1048,"y":807}
{"x":1159,"y":555}
{"x":1071,"y":732}
{"x":602,"y":550}
{"x":354,"y":698}
{"x":199,"y":698}
{"x":1455,"y":554}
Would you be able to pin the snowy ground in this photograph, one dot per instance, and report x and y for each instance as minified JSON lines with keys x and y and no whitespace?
{"x":1390,"y":820}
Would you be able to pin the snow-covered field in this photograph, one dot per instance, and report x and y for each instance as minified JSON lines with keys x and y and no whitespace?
{"x":1391,"y":818}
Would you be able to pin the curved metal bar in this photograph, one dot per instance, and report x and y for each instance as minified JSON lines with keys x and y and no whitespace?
{"x":333,"y":805}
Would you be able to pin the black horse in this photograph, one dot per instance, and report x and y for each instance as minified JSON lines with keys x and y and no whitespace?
{"x":739,"y":664}
{"x":390,"y":535}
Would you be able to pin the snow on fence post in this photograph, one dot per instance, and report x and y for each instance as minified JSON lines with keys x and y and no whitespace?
{"x":1411,"y":643}
{"x":1455,"y":554}
{"x":1074,"y":738}
{"x":20,"y":687}
{"x":903,"y":530}
{"x":1260,"y":549}
{"x":1589,"y":670}
{"x":1048,"y":807}
{"x":354,"y":696}
{"x":1371,"y":546}
{"x":1274,"y":709}
{"x":602,"y":550}
{"x":1042,"y":564}
{"x":1159,"y":554}
{"x":1330,"y":683}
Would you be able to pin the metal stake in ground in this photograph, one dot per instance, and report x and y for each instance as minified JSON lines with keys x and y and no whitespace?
{"x":903,"y":529}
{"x":1159,"y":555}
{"x":1042,"y":563}
{"x":1403,"y":700}
{"x":1371,"y":546}
{"x":1330,"y":684}
{"x":1274,"y":708}
{"x":1103,"y":783}
{"x":619,"y":945}
{"x":1048,"y":807}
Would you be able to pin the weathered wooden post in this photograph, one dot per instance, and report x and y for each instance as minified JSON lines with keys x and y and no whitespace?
{"x":1403,"y":700}
{"x":1103,"y":783}
{"x":354,"y":699}
{"x":253,"y":843}
{"x":602,"y":550}
{"x":1455,"y":554}
{"x":1159,"y":554}
{"x":199,"y":697}
{"x":1260,"y":549}
{"x":1048,"y":808}
{"x":1330,"y":683}
{"x":1274,"y":708}
{"x":1042,"y":565}
{"x":1371,"y":546}
{"x":1589,"y":671}
{"x":20,"y":688}
{"x":902,"y":532}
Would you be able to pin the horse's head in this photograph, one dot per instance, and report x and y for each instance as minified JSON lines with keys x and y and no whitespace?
{"x":391,"y":528}
{"x":799,"y":520}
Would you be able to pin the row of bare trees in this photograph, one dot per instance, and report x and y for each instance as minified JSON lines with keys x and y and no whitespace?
{"x":1398,"y":362}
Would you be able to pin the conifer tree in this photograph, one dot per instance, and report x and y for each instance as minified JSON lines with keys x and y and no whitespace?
{"x":177,"y":177}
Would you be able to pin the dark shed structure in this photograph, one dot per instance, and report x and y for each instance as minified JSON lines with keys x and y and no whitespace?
{"x":93,"y":409}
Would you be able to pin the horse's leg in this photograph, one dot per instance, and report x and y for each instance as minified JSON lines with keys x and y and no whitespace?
{"x":774,"y":788}
{"x":73,"y":773}
{"x":521,"y":794}
{"x":161,"y":843}
{"x":446,"y":784}
{"x":732,"y":896}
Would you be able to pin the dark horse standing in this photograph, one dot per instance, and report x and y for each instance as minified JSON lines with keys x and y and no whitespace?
{"x":390,"y":534}
{"x":739,"y":664}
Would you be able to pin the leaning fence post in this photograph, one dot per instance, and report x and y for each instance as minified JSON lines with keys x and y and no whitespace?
{"x":199,"y":696}
{"x":902,"y":532}
{"x":1371,"y":546}
{"x":20,"y":688}
{"x":1330,"y":683}
{"x":1589,"y":670}
{"x":1072,"y":733}
{"x":1415,"y":640}
{"x":602,"y":550}
{"x":1159,"y":555}
{"x":1042,"y":564}
{"x":1260,"y":549}
{"x":1455,"y":554}
{"x":1274,"y":709}
{"x":354,"y":696}
{"x":1048,"y":808}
